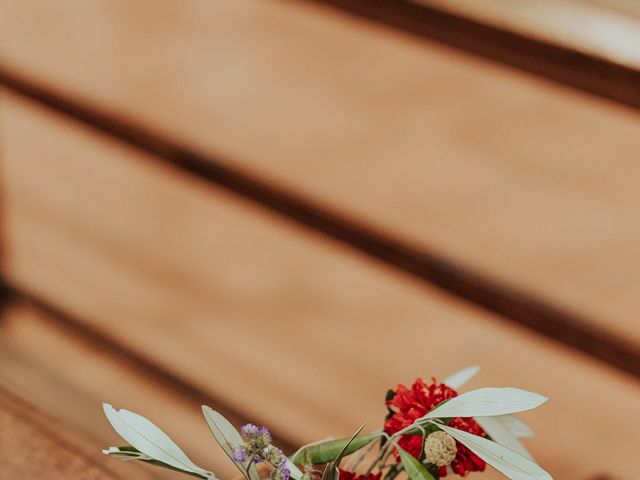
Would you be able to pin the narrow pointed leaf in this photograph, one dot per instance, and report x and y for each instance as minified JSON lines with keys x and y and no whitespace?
{"x":343,"y":452}
{"x":413,"y":467}
{"x":296,"y":473}
{"x":326,"y":452}
{"x":331,"y":472}
{"x":128,"y":453}
{"x":458,"y":379}
{"x":506,"y":461}
{"x":516,"y":426}
{"x":228,"y":437}
{"x":498,"y":433}
{"x":146,"y":437}
{"x":298,"y":453}
{"x":487,"y":402}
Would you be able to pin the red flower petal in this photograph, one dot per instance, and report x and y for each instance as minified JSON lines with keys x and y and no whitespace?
{"x":409,"y":404}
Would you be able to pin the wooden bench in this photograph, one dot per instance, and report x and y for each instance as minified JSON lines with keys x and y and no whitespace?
{"x":282,"y":210}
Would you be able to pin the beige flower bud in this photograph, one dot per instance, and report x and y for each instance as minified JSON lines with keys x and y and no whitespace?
{"x":440,"y":448}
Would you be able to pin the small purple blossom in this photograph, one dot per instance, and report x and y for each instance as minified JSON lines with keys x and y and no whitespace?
{"x":264,"y":433}
{"x":249,"y":430}
{"x":257,"y":448}
{"x":239,"y":455}
{"x":284,"y":472}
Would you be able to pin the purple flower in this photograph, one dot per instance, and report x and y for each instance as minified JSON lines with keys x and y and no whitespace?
{"x":249,"y":430}
{"x":239,"y":455}
{"x":284,"y":472}
{"x":257,"y":448}
{"x":264,"y":433}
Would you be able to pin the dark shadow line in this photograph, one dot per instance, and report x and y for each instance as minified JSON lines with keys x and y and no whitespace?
{"x":512,"y":305}
{"x":590,"y":73}
{"x":6,"y":295}
{"x":105,"y":342}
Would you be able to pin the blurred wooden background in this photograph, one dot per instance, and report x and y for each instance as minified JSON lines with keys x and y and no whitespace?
{"x":132,"y":282}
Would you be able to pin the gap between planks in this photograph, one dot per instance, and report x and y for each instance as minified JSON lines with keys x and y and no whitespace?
{"x":510,"y":304}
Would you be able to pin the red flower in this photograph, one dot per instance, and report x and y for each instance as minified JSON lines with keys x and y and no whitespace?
{"x":345,"y":475}
{"x":409,"y":404}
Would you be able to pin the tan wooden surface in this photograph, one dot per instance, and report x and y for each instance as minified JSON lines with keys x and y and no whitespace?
{"x":69,"y":378}
{"x":54,"y":451}
{"x":517,"y":178}
{"x":603,"y":28}
{"x":297,"y":333}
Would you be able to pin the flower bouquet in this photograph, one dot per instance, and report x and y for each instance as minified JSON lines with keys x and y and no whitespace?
{"x":430,"y":431}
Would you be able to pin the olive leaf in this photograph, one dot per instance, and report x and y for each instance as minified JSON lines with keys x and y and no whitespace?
{"x":228,"y":438}
{"x":458,"y":379}
{"x":412,"y":466}
{"x":331,"y":472}
{"x":295,"y":472}
{"x":517,"y":427}
{"x":128,"y":453}
{"x":500,"y":434}
{"x":148,"y":439}
{"x":487,"y":402}
{"x":328,"y":451}
{"x":506,"y":461}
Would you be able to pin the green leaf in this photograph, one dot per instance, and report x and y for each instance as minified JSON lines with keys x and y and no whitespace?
{"x":228,"y":438}
{"x":344,"y":450}
{"x":326,"y":452}
{"x":296,"y":474}
{"x":413,"y":467}
{"x":510,"y":463}
{"x":147,"y":438}
{"x":486,"y":402}
{"x":331,"y":473}
{"x":458,"y":379}
{"x":420,"y":429}
{"x":389,"y":396}
{"x":128,"y":453}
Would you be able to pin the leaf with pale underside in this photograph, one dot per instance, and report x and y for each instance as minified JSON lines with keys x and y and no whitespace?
{"x":228,"y":437}
{"x":516,"y":426}
{"x":128,"y":453}
{"x":506,"y":461}
{"x":412,"y":466}
{"x":296,"y":473}
{"x":500,"y":434}
{"x":147,"y":438}
{"x":458,"y":379}
{"x":487,"y":402}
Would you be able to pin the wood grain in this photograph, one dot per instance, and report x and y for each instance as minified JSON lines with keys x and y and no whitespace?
{"x":296,"y":333}
{"x":68,"y":376}
{"x":35,"y":446}
{"x":565,"y":327}
{"x":510,"y":176}
{"x":570,"y":42}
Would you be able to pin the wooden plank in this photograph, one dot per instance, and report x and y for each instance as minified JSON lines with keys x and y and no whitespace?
{"x":35,"y":446}
{"x":606,"y":29}
{"x":571,"y":42}
{"x":558,"y":324}
{"x":297,"y":334}
{"x":525,"y":194}
{"x":68,"y":376}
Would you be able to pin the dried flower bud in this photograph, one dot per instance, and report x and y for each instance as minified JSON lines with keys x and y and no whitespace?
{"x":440,"y":448}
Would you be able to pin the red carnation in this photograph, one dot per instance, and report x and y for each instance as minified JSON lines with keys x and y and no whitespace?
{"x":407,"y":405}
{"x":345,"y":475}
